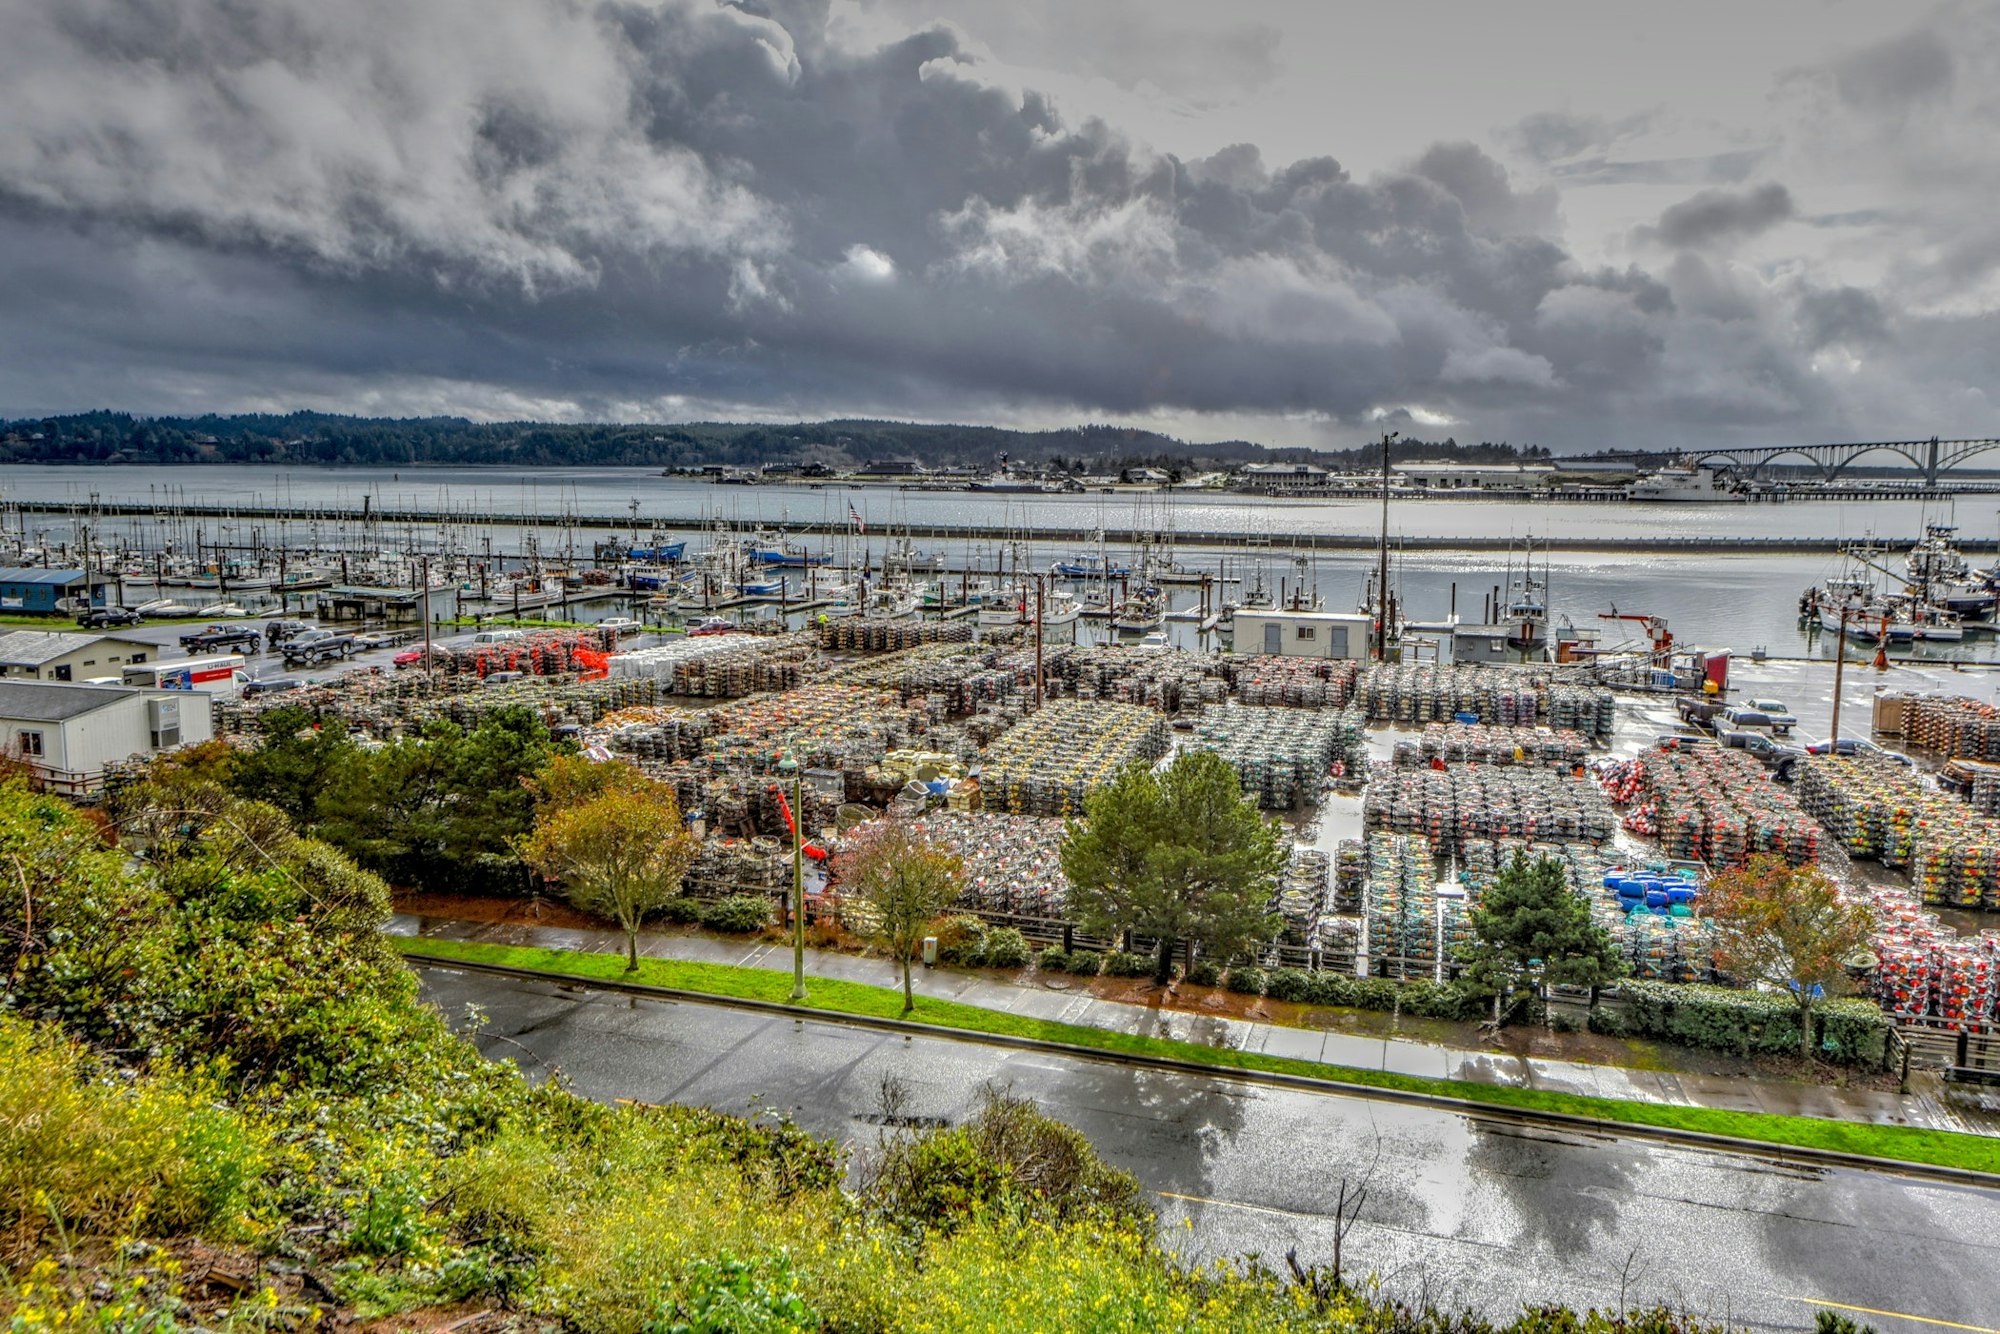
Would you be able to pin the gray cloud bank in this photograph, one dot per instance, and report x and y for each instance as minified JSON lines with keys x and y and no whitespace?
{"x":519,"y":207}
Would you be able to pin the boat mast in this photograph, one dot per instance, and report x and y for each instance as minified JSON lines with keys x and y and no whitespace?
{"x":1382,"y":560}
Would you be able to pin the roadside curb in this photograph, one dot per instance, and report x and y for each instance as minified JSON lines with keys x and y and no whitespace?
{"x":1786,"y":1154}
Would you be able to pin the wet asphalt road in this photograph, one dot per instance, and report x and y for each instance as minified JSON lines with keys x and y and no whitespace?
{"x":1469,"y":1213}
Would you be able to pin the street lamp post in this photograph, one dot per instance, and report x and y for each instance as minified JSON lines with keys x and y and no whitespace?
{"x":791,"y":766}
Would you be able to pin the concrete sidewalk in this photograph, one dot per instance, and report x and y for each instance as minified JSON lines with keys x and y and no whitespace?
{"x":1063,"y":1000}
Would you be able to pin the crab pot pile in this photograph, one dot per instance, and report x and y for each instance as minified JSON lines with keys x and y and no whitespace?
{"x":1309,"y":683}
{"x":1660,"y":948}
{"x":820,"y":726}
{"x":544,"y":653}
{"x":1982,"y":793}
{"x":1590,"y":710}
{"x":1169,"y":681}
{"x":386,"y":705}
{"x":1880,"y":810}
{"x":1463,"y":802}
{"x":1713,"y":805}
{"x":1459,"y":743}
{"x":1013,"y":863}
{"x":1282,"y":756}
{"x":726,"y":866}
{"x":1300,"y":897}
{"x":1954,"y":726}
{"x":721,"y":666}
{"x":1872,"y":806}
{"x":1350,"y":875}
{"x":861,"y":635}
{"x":1402,"y":899}
{"x":1057,"y":754}
{"x":1409,"y":693}
{"x":1481,"y":860}
{"x":1929,"y":972}
{"x":960,"y":679}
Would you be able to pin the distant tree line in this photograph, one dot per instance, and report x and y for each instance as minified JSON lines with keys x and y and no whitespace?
{"x":332,"y":440}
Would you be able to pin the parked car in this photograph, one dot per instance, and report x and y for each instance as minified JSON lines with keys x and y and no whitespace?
{"x":277,"y":633}
{"x":1740,"y":716}
{"x":1854,"y":745}
{"x":101,"y":618}
{"x":317,"y":646}
{"x":1774,"y":709}
{"x":409,"y":657}
{"x":620,"y":625}
{"x":502,"y":678}
{"x":714,"y":625}
{"x":1781,"y":760}
{"x":272,"y":686}
{"x":497,"y":636}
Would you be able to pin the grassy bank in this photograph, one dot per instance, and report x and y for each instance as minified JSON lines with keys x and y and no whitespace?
{"x":1892,"y":1143}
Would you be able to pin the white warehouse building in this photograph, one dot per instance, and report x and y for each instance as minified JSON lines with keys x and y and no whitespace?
{"x":1303,"y":634}
{"x":68,"y":734}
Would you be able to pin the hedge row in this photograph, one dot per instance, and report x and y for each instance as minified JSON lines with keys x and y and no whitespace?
{"x":1430,"y":1000}
{"x":1850,"y":1031}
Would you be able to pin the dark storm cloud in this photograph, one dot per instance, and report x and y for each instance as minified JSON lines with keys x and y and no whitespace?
{"x":1721,"y":215}
{"x":1895,"y":75}
{"x":521,"y":206}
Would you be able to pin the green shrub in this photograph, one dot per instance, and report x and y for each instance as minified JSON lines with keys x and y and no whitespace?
{"x":1120,"y":964}
{"x":1006,"y":948}
{"x":1205,"y":973}
{"x":1289,"y":984}
{"x":739,"y":914}
{"x":682,"y":910}
{"x":961,"y":941}
{"x":1052,"y":960}
{"x":1562,"y":1021}
{"x":118,"y":1157}
{"x":732,"y":1296}
{"x":1608,"y":1022}
{"x":1713,"y":1018}
{"x":1245,"y":978}
{"x":1007,"y":1156}
{"x":1086,"y":963}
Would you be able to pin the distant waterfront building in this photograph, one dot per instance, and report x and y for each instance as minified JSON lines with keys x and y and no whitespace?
{"x":1275,"y":477}
{"x":1445,"y":476}
{"x":38,"y":592}
{"x":1304,"y":634}
{"x":889,"y":468}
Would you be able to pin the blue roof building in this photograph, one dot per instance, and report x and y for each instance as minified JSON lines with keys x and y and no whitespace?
{"x":38,"y":592}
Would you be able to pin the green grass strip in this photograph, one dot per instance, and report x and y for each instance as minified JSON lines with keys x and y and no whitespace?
{"x":1910,"y":1144}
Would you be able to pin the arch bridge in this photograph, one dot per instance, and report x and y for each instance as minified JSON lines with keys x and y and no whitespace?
{"x":1929,"y":457}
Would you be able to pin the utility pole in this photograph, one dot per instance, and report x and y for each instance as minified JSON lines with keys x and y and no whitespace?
{"x":1839,"y":666}
{"x":798,"y":883}
{"x":1382,"y":561}
{"x":430,"y":668}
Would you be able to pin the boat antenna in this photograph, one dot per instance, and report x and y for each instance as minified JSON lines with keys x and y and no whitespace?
{"x":1382,"y":560}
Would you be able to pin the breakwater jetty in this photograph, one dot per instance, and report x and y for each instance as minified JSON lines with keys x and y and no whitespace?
{"x":937,"y":530}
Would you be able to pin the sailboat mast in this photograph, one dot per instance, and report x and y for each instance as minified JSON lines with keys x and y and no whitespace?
{"x":1382,"y":560}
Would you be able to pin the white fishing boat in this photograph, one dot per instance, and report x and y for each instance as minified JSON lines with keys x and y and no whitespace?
{"x":1143,"y":610}
{"x":1685,"y":483}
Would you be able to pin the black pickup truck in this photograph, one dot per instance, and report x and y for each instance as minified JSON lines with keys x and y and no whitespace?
{"x":223,"y":639}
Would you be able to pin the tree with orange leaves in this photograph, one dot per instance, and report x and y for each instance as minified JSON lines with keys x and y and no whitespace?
{"x":1787,"y":927}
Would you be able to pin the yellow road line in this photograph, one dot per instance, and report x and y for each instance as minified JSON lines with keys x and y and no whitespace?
{"x":1897,"y":1315}
{"x":1247,"y":1208}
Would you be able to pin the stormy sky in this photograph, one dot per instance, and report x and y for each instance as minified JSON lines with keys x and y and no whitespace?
{"x":1584,"y":224}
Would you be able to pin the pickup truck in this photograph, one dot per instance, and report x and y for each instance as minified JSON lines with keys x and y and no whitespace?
{"x":317,"y":646}
{"x":1701,"y":712}
{"x":103,"y":618}
{"x":1781,"y":760}
{"x":277,"y":632}
{"x":223,"y":639}
{"x":1741,"y":716}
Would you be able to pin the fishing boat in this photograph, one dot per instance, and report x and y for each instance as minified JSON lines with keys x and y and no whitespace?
{"x":1685,"y":482}
{"x":1526,"y":610}
{"x":1089,"y":569}
{"x":1143,"y":610}
{"x":1060,"y":608}
{"x":769,"y":548}
{"x":1940,"y":573}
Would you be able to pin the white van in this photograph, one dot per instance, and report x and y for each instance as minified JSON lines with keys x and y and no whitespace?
{"x":498,"y":636}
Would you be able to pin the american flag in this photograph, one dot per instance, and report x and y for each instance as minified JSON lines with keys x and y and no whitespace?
{"x":855,"y":515}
